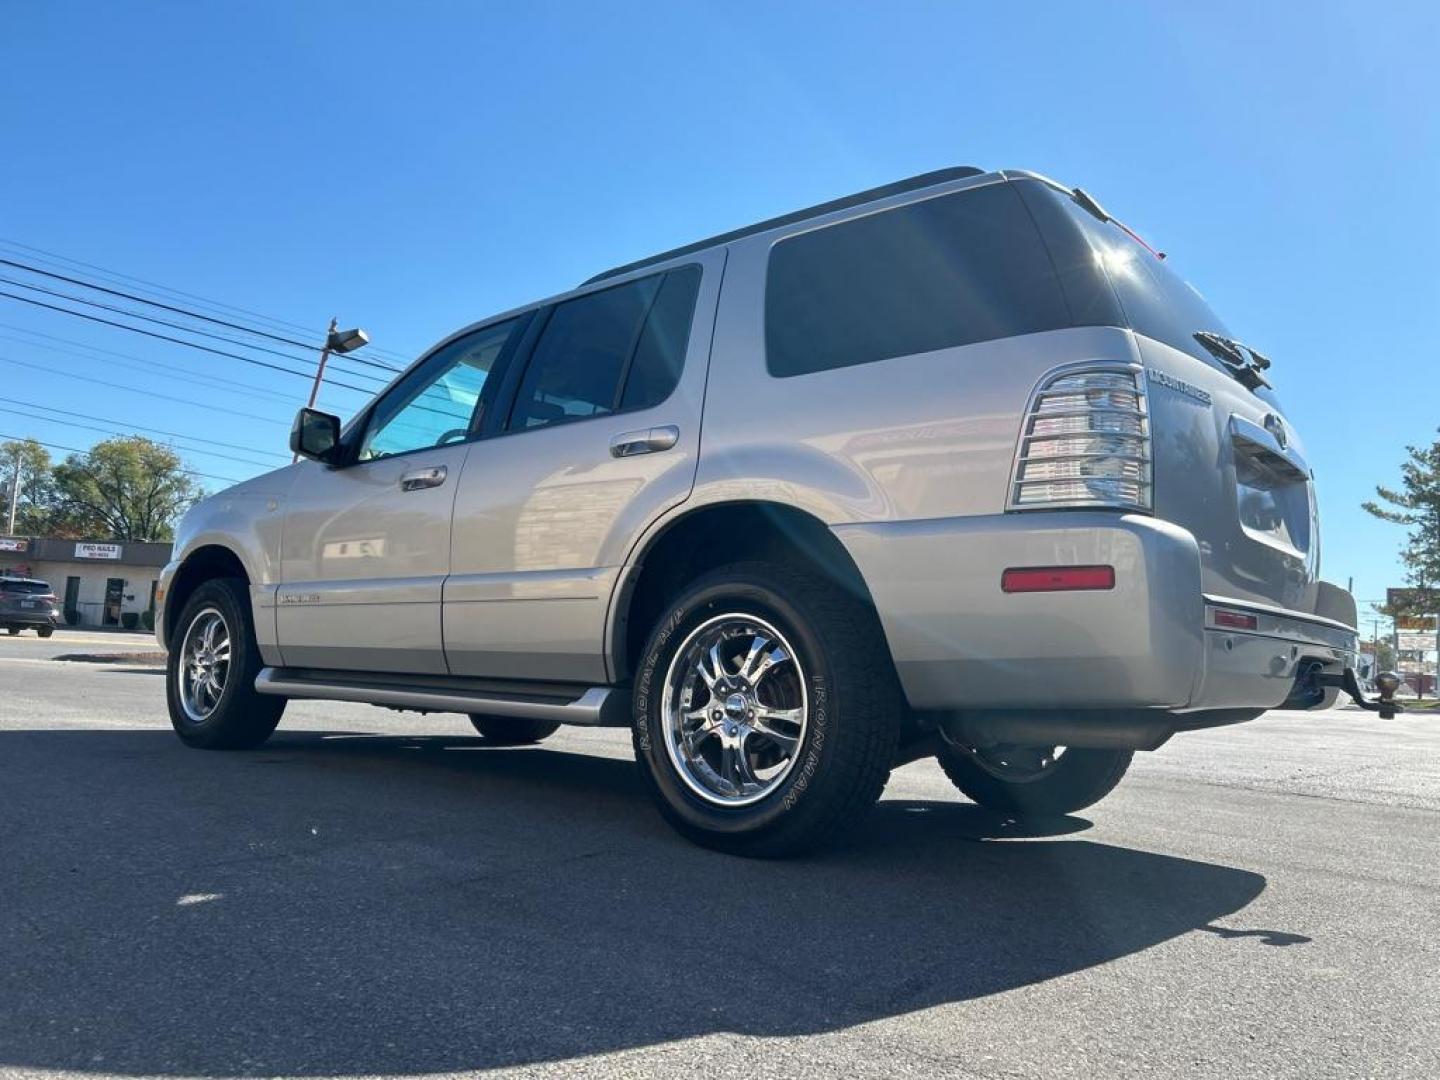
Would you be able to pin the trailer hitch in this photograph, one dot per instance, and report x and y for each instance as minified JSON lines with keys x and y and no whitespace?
{"x":1387,"y":682}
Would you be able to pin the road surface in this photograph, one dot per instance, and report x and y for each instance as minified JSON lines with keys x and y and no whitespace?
{"x":381,"y":893}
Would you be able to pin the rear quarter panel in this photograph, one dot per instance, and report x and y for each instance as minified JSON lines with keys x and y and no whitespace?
{"x":923,"y":436}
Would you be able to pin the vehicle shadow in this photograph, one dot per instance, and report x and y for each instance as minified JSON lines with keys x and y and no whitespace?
{"x":368,"y":904}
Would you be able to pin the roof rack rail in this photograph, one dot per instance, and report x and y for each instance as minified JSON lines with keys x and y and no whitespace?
{"x":929,"y":179}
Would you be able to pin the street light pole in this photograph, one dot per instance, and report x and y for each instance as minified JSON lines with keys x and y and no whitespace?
{"x":320,"y":371}
{"x":336,"y":341}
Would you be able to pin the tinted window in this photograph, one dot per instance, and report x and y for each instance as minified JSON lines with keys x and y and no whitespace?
{"x":655,"y":368}
{"x":1154,"y":300}
{"x":592,"y":343}
{"x":436,"y":402}
{"x":947,"y":271}
{"x":29,"y":588}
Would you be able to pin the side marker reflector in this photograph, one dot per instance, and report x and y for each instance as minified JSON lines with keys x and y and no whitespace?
{"x":1057,"y":578}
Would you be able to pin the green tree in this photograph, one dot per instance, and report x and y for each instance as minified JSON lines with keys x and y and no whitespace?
{"x":1416,"y":505}
{"x":127,"y":488}
{"x":34,"y":511}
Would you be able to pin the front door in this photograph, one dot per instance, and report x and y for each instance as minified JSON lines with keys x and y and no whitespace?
{"x":114,"y":601}
{"x":366,"y":546}
{"x":601,"y":436}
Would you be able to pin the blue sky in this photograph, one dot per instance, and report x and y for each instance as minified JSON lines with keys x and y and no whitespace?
{"x":413,"y":167}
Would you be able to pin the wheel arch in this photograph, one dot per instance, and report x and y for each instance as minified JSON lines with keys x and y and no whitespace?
{"x":712,"y":535}
{"x":205,"y":563}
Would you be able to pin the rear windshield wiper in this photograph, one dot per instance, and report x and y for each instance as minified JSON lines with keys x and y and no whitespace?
{"x":1240,"y":360}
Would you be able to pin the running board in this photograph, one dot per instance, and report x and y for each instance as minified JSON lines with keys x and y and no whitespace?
{"x":599,"y":706}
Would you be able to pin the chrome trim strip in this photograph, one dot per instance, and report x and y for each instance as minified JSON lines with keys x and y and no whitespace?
{"x":1278,"y":612}
{"x":597,"y":707}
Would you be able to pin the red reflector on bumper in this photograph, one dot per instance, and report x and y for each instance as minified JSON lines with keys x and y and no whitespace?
{"x":1057,"y":578}
{"x":1236,"y":620}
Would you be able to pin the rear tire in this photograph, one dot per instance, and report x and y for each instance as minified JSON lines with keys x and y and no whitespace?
{"x":13,"y":631}
{"x":513,"y":730}
{"x":753,"y":763}
{"x":210,"y":673}
{"x":43,"y":631}
{"x":1074,"y":780}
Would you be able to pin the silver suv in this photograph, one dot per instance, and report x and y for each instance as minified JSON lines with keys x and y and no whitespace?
{"x":953,"y":467}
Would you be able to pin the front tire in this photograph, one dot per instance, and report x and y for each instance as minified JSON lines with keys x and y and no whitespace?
{"x":211,"y":669}
{"x":1039,"y":781}
{"x":766,"y":711}
{"x":43,"y":631}
{"x":513,"y":730}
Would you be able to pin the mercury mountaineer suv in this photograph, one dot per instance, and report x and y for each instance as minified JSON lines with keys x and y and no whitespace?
{"x":953,"y":467}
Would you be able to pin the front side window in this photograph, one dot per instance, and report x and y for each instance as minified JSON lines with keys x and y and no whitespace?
{"x":946,"y":271}
{"x":614,"y":350}
{"x":438,"y":403}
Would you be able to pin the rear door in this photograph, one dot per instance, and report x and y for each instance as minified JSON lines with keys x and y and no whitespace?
{"x":600,"y":436}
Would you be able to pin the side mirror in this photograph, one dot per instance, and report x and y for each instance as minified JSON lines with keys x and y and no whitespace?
{"x":315,"y":435}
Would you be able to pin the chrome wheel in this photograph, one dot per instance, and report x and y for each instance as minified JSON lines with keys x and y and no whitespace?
{"x":735,"y":709}
{"x":204,"y":664}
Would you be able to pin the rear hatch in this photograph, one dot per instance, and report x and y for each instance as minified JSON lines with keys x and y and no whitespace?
{"x":1233,"y":472}
{"x":25,"y":597}
{"x":1227,"y":465}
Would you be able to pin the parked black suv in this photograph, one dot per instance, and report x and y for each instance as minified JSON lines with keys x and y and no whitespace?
{"x":27,"y":602}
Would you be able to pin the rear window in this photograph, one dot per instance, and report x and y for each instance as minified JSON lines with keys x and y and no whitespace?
{"x":1155,"y":301}
{"x":947,"y":271}
{"x":36,"y":588}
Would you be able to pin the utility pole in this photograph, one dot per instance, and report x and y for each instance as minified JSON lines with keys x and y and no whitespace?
{"x":14,"y":493}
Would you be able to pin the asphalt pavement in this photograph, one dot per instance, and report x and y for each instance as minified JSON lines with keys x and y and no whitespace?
{"x":375,"y":893}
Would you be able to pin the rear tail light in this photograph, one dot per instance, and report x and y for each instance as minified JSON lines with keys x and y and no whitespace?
{"x":1086,"y":443}
{"x":1236,"y":620}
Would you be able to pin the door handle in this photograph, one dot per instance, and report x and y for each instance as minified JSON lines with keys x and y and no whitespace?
{"x":644,"y":441}
{"x":418,"y":479}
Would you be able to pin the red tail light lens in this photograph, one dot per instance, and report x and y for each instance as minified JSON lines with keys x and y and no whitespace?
{"x":1236,"y":620}
{"x":1057,"y":578}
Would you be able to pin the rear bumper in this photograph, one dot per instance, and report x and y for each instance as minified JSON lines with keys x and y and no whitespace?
{"x":1150,"y":642}
{"x":47,"y":617}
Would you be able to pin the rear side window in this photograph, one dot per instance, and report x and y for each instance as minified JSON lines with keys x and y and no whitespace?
{"x":660,"y":354}
{"x":947,"y":271}
{"x":618,"y":349}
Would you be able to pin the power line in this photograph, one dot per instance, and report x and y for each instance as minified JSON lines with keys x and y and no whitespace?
{"x":182,"y":311}
{"x":401,"y":356}
{"x":151,"y":431}
{"x":77,"y":450}
{"x":205,"y":405}
{"x":166,"y":322}
{"x":173,"y":371}
{"x":137,"y":431}
{"x":177,"y":341}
